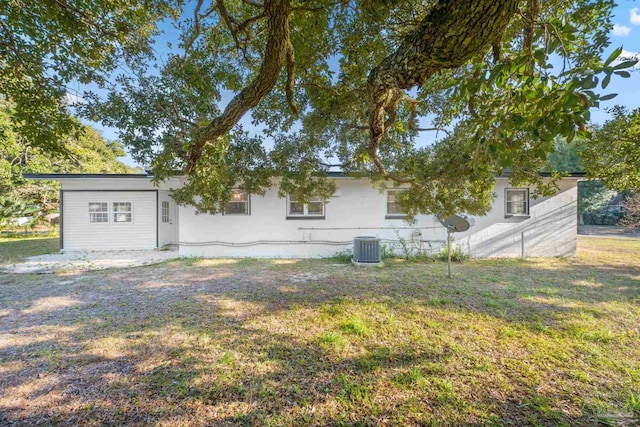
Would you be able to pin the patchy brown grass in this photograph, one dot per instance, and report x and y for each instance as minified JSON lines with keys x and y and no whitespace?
{"x":212,"y":342}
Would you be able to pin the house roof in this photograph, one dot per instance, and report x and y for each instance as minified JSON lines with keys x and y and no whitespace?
{"x":55,"y":176}
{"x":147,"y":175}
{"x":548,"y":174}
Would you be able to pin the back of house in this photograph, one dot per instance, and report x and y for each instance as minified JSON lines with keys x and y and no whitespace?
{"x":127,"y":211}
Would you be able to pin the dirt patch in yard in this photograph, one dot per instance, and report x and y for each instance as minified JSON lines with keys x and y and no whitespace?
{"x":193,"y":342}
{"x":88,"y":261}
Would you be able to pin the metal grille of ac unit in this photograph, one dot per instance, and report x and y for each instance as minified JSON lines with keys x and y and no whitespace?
{"x":366,"y":249}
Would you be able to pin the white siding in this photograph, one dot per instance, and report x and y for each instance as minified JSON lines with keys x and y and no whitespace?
{"x":116,"y":184}
{"x":358,"y":209}
{"x":80,"y":234}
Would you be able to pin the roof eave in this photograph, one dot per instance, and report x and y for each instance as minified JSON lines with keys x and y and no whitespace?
{"x":332,"y":174}
{"x":61,"y":176}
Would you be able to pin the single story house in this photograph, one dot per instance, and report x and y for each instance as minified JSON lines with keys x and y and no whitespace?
{"x":126,"y":211}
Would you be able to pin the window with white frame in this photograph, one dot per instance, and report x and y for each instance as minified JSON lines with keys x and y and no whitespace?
{"x":517,"y":202}
{"x":165,"y":212}
{"x":394,"y":210}
{"x":238,"y":204}
{"x":122,"y":212}
{"x":98,"y":212}
{"x":313,"y":209}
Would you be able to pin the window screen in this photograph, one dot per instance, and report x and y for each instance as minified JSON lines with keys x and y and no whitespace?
{"x":238,"y":204}
{"x":122,"y":212}
{"x":393,"y":204}
{"x":98,"y":212}
{"x":517,"y":201}
{"x":314,"y":208}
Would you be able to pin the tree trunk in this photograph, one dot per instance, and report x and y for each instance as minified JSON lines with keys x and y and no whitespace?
{"x":451,"y":34}
{"x":277,"y":12}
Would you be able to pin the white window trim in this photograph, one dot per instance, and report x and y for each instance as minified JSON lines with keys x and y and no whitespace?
{"x":248,"y":202}
{"x":113,"y":212}
{"x":527,"y":203}
{"x":101,"y":212}
{"x":386,"y":206}
{"x":305,"y":208}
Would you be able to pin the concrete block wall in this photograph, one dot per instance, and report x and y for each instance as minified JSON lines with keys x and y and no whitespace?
{"x":358,"y":209}
{"x":550,"y":230}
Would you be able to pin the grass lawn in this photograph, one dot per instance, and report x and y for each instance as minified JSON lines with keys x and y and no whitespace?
{"x":280,"y":342}
{"x":12,"y":249}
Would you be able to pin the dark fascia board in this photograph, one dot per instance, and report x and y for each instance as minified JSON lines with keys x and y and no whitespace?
{"x":504,"y":175}
{"x":57,"y":176}
{"x":333,"y":174}
{"x":549,"y":174}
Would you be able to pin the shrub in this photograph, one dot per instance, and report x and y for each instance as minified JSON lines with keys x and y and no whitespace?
{"x":342,"y":256}
{"x":457,"y":254}
{"x":631,"y":209}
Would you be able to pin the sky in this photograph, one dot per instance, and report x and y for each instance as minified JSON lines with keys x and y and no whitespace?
{"x":625,"y":33}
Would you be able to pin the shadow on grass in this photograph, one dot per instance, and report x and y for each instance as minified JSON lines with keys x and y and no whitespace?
{"x":243,"y":344}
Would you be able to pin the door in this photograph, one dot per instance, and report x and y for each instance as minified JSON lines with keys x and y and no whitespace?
{"x":167,"y":219}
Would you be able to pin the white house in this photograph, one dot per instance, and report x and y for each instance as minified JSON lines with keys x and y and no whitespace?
{"x":124,"y":211}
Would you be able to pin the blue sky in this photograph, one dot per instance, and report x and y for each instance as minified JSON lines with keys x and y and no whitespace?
{"x":626,"y":33}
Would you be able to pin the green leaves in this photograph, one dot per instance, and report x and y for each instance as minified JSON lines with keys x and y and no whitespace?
{"x":610,"y":68}
{"x":613,"y":153}
{"x":51,"y":46}
{"x":613,"y":56}
{"x":608,"y":97}
{"x":85,"y":152}
{"x":503,"y":108}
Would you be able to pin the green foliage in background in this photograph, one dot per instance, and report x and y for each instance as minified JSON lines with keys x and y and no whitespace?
{"x":631,"y":210}
{"x":87,"y":152}
{"x":613,"y":154}
{"x":49,"y":47}
{"x":351,"y":84}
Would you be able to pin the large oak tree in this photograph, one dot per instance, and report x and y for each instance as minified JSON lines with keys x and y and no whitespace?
{"x":350,"y":84}
{"x":87,"y":153}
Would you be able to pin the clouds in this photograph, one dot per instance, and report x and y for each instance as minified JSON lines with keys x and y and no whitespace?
{"x":635,"y":16}
{"x":621,"y":30}
{"x":629,"y":55}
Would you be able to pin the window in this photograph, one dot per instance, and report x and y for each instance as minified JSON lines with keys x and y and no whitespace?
{"x":122,"y":212}
{"x":314,"y":209}
{"x":98,"y":212}
{"x":517,"y":202}
{"x":394,"y":210}
{"x":165,"y":212}
{"x":238,"y":204}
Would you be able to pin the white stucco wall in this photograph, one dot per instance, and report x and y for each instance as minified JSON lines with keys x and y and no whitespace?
{"x":550,"y":230}
{"x":358,"y":209}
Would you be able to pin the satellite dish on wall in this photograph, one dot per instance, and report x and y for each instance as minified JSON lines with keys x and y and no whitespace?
{"x":455,"y":223}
